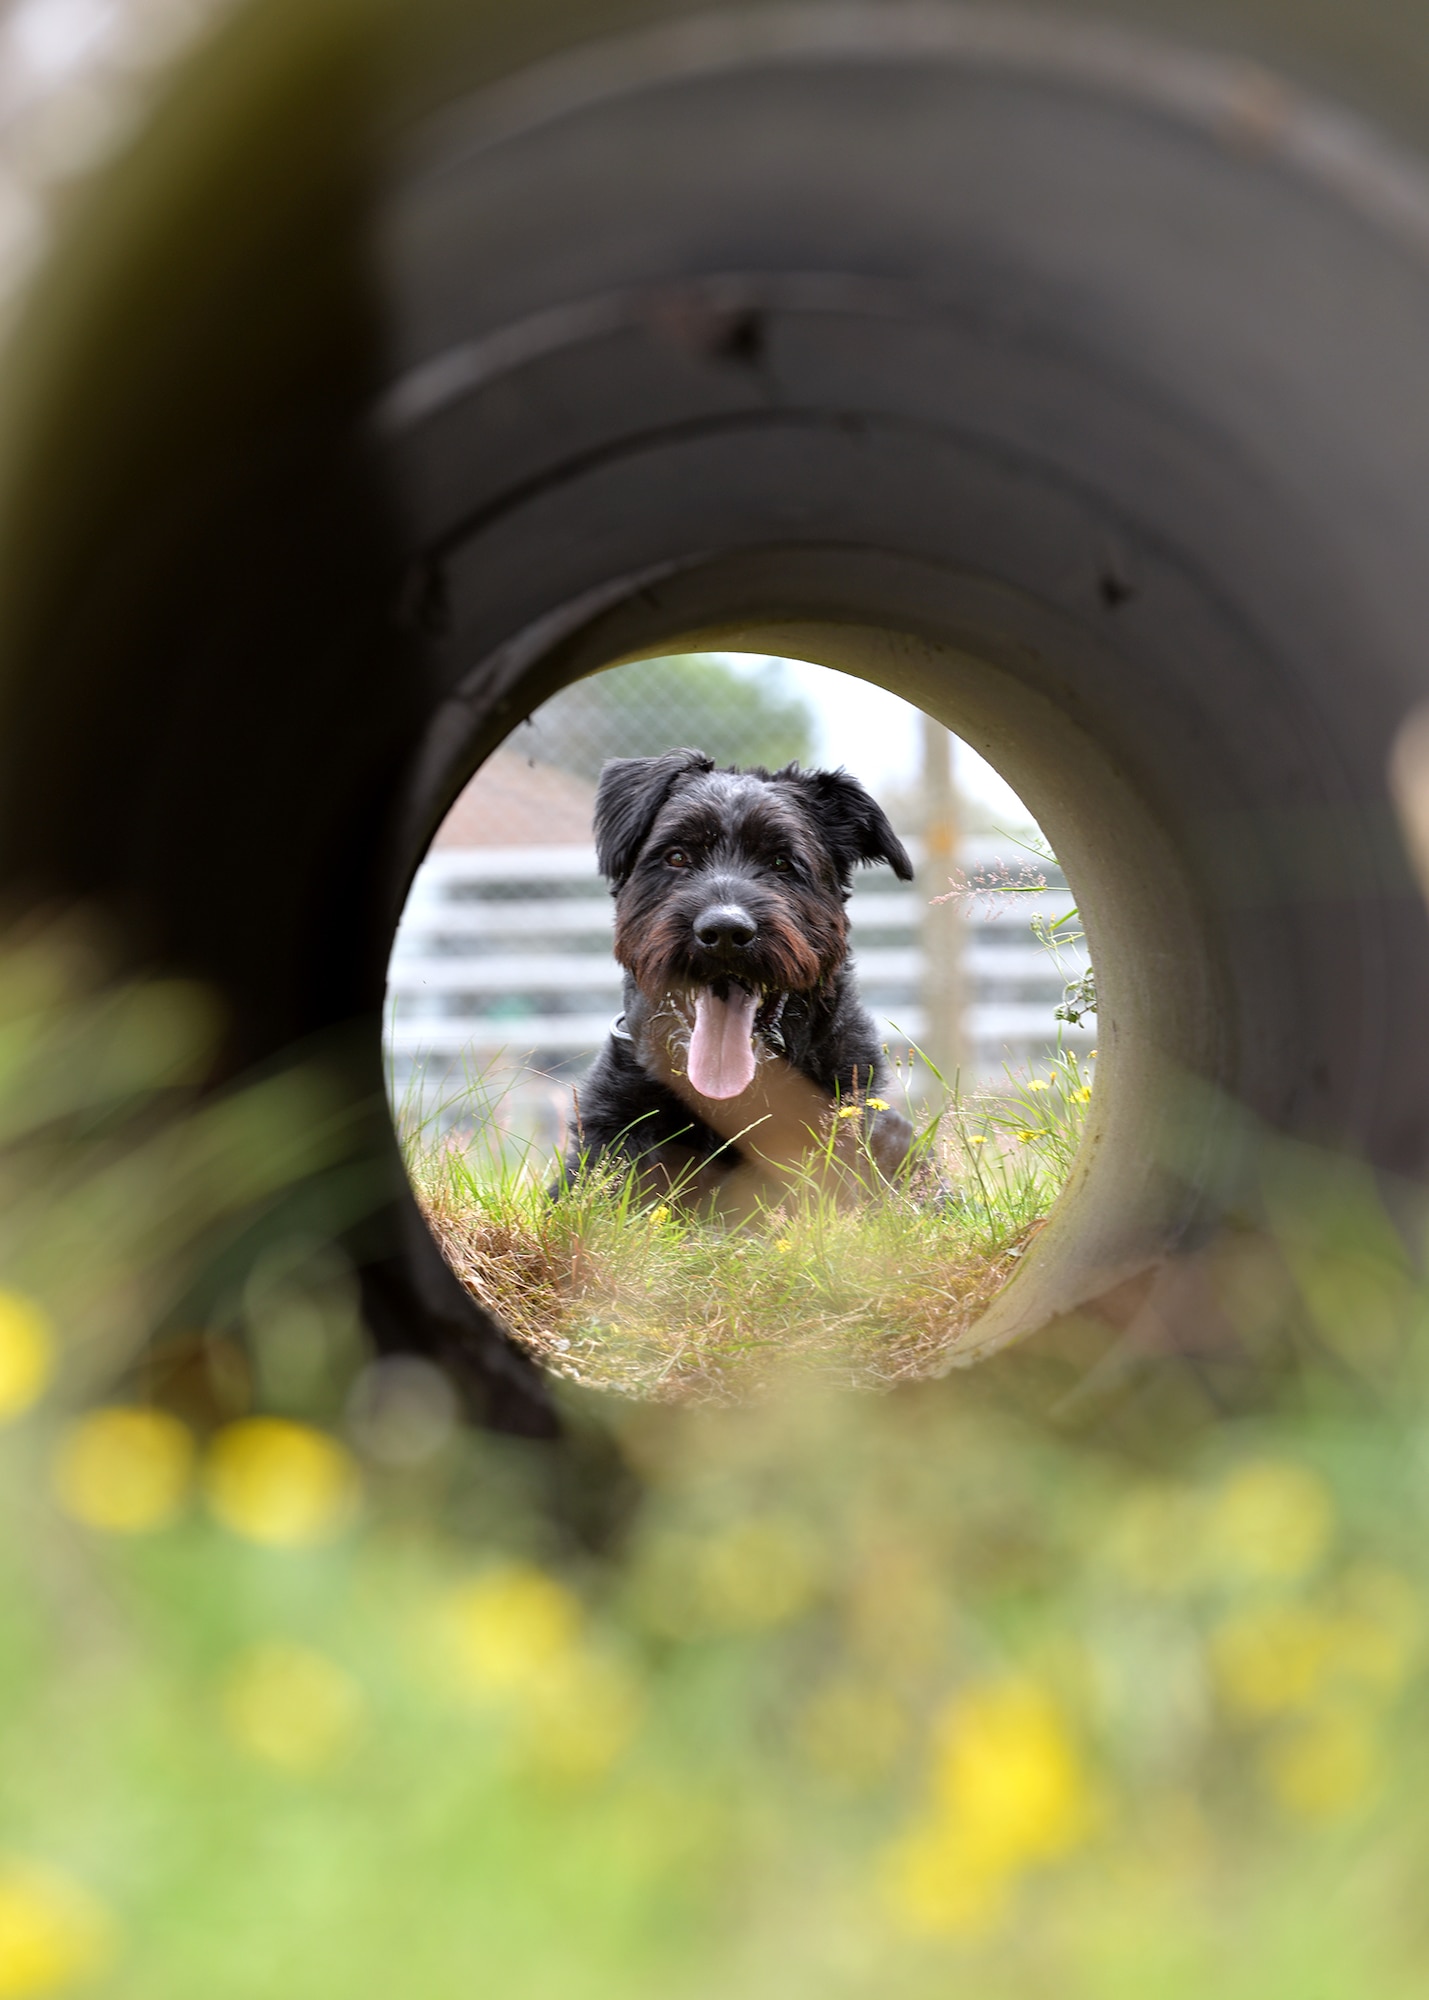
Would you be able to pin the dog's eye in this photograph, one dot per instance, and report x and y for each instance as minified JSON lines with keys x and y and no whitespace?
{"x":677,"y":858}
{"x":781,"y":864}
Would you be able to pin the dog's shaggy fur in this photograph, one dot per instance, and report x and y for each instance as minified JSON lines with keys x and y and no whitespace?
{"x":742,"y":1036}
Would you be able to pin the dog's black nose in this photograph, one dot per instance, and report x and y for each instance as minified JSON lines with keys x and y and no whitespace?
{"x":726,"y":923}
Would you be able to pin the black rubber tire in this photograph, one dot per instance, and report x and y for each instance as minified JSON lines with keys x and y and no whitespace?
{"x":1067,"y":380}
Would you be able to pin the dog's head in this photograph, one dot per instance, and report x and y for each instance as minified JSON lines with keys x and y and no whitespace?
{"x":730,"y":888}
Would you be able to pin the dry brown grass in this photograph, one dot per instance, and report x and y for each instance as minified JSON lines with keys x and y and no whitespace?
{"x":668,"y":1308}
{"x":649,"y":1300}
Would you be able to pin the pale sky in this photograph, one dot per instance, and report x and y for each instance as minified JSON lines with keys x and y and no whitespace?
{"x":876,"y":735}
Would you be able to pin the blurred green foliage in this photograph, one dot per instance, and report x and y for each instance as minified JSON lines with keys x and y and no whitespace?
{"x":1093,"y":1680}
{"x":694,"y":699}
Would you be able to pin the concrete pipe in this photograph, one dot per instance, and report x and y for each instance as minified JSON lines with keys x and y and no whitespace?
{"x":1069,"y":378}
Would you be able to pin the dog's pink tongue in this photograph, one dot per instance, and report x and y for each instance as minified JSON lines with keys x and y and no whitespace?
{"x":722,"y":1045}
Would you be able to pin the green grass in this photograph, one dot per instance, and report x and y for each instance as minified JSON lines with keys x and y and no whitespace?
{"x":872,"y":1697}
{"x":615,"y":1289}
{"x":1040,"y":1679}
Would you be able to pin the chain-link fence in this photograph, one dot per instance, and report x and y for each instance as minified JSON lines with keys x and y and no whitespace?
{"x":736,"y":716}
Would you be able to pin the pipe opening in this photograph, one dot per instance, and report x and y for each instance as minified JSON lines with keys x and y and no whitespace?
{"x":776,"y":1053}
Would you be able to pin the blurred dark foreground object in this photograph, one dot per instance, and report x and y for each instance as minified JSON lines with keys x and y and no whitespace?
{"x":399,"y":363}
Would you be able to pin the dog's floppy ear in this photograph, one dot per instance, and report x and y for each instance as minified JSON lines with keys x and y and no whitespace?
{"x":630,"y":794}
{"x":854,"y":824}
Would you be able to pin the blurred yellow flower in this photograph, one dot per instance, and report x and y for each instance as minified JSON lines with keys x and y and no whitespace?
{"x":52,"y":1932}
{"x":1284,"y":1656}
{"x":1271,"y":1518}
{"x":1327,"y":1765}
{"x":1153,"y":1538}
{"x":1367,"y":1654}
{"x":292,"y":1707}
{"x":1037,"y":1083}
{"x":1009,"y":1773}
{"x":850,"y":1110}
{"x":516,"y":1637}
{"x":742,"y":1578}
{"x":280,"y":1483}
{"x":579,"y":1716}
{"x":125,"y":1471}
{"x":876,"y":1103}
{"x":934,"y":1883}
{"x":756,"y":1573}
{"x":27,"y":1353}
{"x":977,"y":1138}
{"x":783,"y":1246}
{"x":507,"y":1626}
{"x":1082,"y":1096}
{"x":1025,"y":1136}
{"x":1270,"y":1659}
{"x":852,"y":1730}
{"x":660,"y":1214}
{"x":895,"y":1610}
{"x":1380,"y":1625}
{"x":1010,"y":1792}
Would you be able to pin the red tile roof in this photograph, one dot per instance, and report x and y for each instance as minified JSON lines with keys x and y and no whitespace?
{"x":514,"y":802}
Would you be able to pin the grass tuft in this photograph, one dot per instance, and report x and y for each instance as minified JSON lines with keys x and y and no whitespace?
{"x":647,"y":1298}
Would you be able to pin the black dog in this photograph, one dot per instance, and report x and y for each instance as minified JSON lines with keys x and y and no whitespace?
{"x":742,"y":1039}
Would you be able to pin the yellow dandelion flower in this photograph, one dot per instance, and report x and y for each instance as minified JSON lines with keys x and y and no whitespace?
{"x":755,"y":1574}
{"x":935,"y":1885}
{"x":580,"y":1716}
{"x":290,"y":1706}
{"x":514,"y":1639}
{"x":27,"y":1349}
{"x":977,"y":1138}
{"x":1082,"y":1096}
{"x":1008,"y":1772}
{"x":1379,"y":1628}
{"x":1025,"y":1136}
{"x":850,"y":1111}
{"x":1326,"y":1766}
{"x":746,"y":1577}
{"x":52,"y":1932}
{"x":1270,"y":1659}
{"x":783,"y":1246}
{"x":507,"y":1626}
{"x":1271,"y":1518}
{"x":125,"y":1471}
{"x":876,"y":1103}
{"x":1152,"y":1538}
{"x":1038,"y":1083}
{"x":1010,"y":1793}
{"x":280,"y":1483}
{"x":1281,"y":1657}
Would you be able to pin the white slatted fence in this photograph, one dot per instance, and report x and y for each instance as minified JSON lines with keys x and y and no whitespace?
{"x":503,"y":963}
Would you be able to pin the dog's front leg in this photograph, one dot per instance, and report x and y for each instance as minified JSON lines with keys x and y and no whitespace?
{"x":890,"y":1138}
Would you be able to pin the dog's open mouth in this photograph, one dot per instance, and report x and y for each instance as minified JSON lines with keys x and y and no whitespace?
{"x":722,"y":1058}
